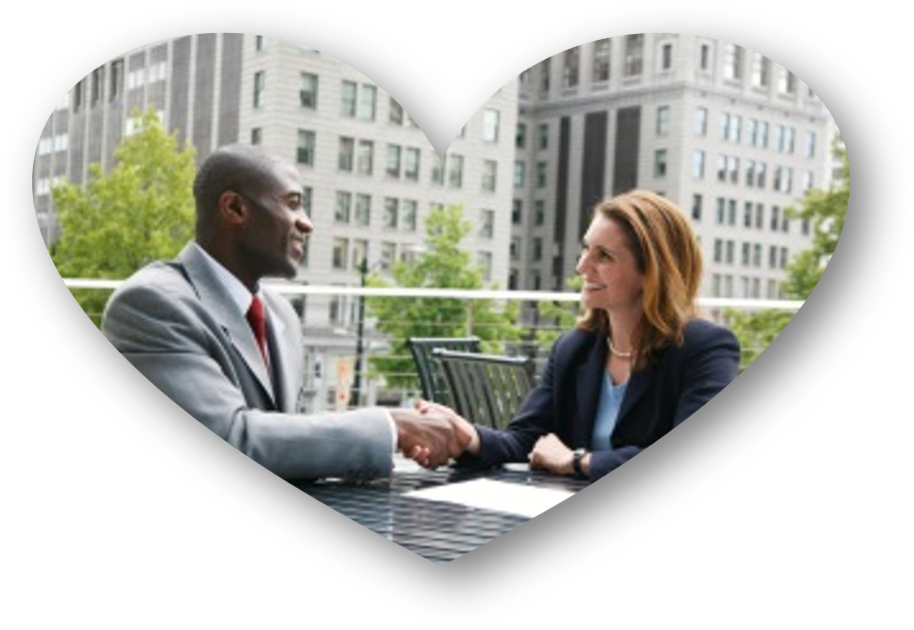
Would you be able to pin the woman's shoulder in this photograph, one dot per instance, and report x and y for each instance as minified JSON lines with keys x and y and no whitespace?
{"x":700,"y":332}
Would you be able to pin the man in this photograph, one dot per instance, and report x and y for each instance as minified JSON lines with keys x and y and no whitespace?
{"x":205,"y":331}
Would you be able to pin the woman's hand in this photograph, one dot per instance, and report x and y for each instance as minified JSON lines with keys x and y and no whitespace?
{"x":550,"y":453}
{"x":466,"y":432}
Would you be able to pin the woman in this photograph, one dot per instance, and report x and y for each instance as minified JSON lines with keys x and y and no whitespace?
{"x":638,"y":363}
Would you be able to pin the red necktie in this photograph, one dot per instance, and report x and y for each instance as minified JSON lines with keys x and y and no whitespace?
{"x":257,"y":318}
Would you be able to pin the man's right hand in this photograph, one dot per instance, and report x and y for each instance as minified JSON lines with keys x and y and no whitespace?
{"x":467,"y":432}
{"x":431,"y":438}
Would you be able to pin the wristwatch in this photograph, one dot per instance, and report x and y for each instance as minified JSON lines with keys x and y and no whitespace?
{"x":577,"y":456}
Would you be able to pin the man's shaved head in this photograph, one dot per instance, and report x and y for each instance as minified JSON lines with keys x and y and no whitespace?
{"x":236,"y":167}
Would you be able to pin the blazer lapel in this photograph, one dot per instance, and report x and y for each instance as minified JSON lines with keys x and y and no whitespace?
{"x":589,"y":383}
{"x":638,"y":384}
{"x":233,"y":323}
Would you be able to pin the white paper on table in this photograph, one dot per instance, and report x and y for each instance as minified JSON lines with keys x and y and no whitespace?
{"x":498,"y":496}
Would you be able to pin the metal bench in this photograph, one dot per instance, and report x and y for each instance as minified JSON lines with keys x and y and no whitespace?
{"x":486,"y":389}
{"x":431,"y":378}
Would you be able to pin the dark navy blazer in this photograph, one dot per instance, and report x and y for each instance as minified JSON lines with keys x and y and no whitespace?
{"x":677,"y":381}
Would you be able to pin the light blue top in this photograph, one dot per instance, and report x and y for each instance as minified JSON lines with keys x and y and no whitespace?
{"x":607,"y":412}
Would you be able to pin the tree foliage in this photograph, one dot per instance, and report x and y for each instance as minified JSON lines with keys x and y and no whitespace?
{"x":825,"y":211}
{"x":558,"y":317}
{"x":443,"y":264}
{"x":141,"y":210}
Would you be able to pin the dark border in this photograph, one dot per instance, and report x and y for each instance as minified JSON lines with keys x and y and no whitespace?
{"x":589,"y":523}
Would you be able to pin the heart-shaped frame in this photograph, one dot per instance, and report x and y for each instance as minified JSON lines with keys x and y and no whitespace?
{"x":605,"y":513}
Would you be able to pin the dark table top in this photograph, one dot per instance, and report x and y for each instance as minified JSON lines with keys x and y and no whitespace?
{"x":436,"y":530}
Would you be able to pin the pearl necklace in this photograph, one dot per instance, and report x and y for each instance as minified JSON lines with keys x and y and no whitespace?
{"x":612,"y":350}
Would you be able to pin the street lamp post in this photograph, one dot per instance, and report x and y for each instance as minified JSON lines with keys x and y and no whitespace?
{"x":356,"y":398}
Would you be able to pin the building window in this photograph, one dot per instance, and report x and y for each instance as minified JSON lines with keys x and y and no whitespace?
{"x":724,"y":127}
{"x":759,"y":216}
{"x":343,"y":206}
{"x":95,"y":85}
{"x":718,"y":250}
{"x":745,"y":254}
{"x":733,"y":133}
{"x":601,"y":58}
{"x":340,"y":253}
{"x":747,"y":214}
{"x":486,"y":223}
{"x":537,"y":253}
{"x":543,"y":136}
{"x":307,"y":95}
{"x":116,"y":76}
{"x":520,"y":137}
{"x":305,"y":151}
{"x":663,"y":120}
{"x":778,"y":179}
{"x":721,"y":168}
{"x":388,"y":256}
{"x":517,"y":212}
{"x":545,"y":71}
{"x":733,"y":168}
{"x":787,"y":82}
{"x":411,"y":170}
{"x":634,"y":54}
{"x":784,"y":254}
{"x":715,"y":285}
{"x":490,"y":125}
{"x":539,"y":212}
{"x":260,"y":84}
{"x":760,"y":174}
{"x":698,"y":164}
{"x":660,"y":163}
{"x":807,"y":182}
{"x":541,"y":174}
{"x":367,"y":101}
{"x":363,"y":210}
{"x":733,"y":62}
{"x":809,"y":146}
{"x":789,"y":137}
{"x":804,"y":227}
{"x":408,"y":219}
{"x":749,"y":169}
{"x":763,"y":134}
{"x":701,"y":121}
{"x":696,"y":207}
{"x":785,"y":223}
{"x":772,"y":289}
{"x":365,"y":159}
{"x":731,"y":248}
{"x":485,"y":265}
{"x":721,"y":209}
{"x":437,"y":170}
{"x":571,"y":67}
{"x":347,"y":99}
{"x":666,"y":56}
{"x":455,"y":171}
{"x":775,"y":218}
{"x":514,"y":248}
{"x":347,"y":154}
{"x":704,"y":57}
{"x":731,"y":212}
{"x":359,"y":253}
{"x":391,"y":208}
{"x":256,"y":136}
{"x":761,"y":70}
{"x":787,"y":183}
{"x":395,"y":114}
{"x":259,"y":43}
{"x":751,"y":131}
{"x":393,"y":160}
{"x":489,"y":173}
{"x":772,"y":256}
{"x":519,"y":168}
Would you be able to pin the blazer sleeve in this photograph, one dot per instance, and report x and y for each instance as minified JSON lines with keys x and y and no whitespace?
{"x":165,"y":337}
{"x":535,"y":419}
{"x":709,"y":364}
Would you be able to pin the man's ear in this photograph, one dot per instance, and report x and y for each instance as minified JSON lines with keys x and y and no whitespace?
{"x":232,"y":208}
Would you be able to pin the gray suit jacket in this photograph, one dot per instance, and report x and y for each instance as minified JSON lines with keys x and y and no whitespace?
{"x":174,"y":322}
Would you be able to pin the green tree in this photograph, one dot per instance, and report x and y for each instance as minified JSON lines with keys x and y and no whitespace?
{"x":141,"y":210}
{"x":557,"y":317}
{"x":825,"y":211}
{"x":443,"y":264}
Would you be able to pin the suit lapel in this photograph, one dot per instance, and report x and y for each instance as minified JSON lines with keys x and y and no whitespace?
{"x":638,"y":384}
{"x":589,"y":383}
{"x":213,"y":296}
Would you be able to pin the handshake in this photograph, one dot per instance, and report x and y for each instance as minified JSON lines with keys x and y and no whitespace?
{"x":431,"y":434}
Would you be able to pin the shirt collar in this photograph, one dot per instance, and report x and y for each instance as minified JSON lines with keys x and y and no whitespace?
{"x":239,"y":293}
